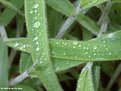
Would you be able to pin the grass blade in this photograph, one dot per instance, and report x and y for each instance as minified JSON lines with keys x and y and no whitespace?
{"x":89,"y":3}
{"x":12,"y":7}
{"x":85,"y":82}
{"x":59,"y":64}
{"x":63,"y":6}
{"x":37,"y":31}
{"x":3,"y":65}
{"x":104,"y":48}
{"x":4,"y":18}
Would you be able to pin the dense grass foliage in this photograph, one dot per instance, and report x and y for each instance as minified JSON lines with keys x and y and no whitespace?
{"x":62,"y":45}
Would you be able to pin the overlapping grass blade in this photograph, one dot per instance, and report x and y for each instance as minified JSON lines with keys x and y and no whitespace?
{"x":12,"y":7}
{"x":59,"y":64}
{"x":4,"y":18}
{"x":85,"y":82}
{"x":89,"y":3}
{"x":104,"y":48}
{"x":35,"y":15}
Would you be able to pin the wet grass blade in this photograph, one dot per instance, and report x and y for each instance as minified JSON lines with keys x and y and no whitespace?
{"x":36,"y":22}
{"x":85,"y":82}
{"x":89,"y":3}
{"x":104,"y":48}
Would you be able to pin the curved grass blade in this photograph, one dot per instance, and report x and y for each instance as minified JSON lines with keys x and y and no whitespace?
{"x":37,"y":30}
{"x":104,"y":48}
{"x":63,"y":6}
{"x":4,"y":18}
{"x":12,"y":7}
{"x":85,"y":82}
{"x":3,"y":65}
{"x":90,"y":3}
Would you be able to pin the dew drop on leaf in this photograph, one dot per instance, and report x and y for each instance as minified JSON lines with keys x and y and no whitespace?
{"x":37,"y":24}
{"x":37,"y":49}
{"x":36,"y":6}
{"x":16,"y":44}
{"x":75,"y":43}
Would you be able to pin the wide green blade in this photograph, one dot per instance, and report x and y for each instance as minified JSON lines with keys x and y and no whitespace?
{"x":104,"y":48}
{"x":36,"y":23}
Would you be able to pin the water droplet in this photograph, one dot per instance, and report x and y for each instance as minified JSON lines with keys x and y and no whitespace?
{"x":31,"y":12}
{"x":21,"y":47}
{"x":35,"y":38}
{"x":74,"y":47}
{"x":35,"y":11}
{"x":37,"y":24}
{"x":16,"y":44}
{"x":37,"y":43}
{"x":109,"y":53}
{"x":89,"y":56}
{"x":40,"y":62}
{"x":75,"y":56}
{"x":110,"y":35}
{"x":103,"y":41}
{"x":79,"y":45}
{"x":24,"y":46}
{"x":64,"y":43}
{"x":95,"y":47}
{"x":106,"y":48}
{"x":57,"y":43}
{"x":37,"y":49}
{"x":75,"y":42}
{"x":84,"y":47}
{"x":39,"y":34}
{"x":87,"y":48}
{"x":36,"y":6}
{"x":35,"y":18}
{"x":86,"y":52}
{"x":43,"y":53}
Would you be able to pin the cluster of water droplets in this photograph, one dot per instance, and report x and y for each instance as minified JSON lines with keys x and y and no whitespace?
{"x":21,"y":46}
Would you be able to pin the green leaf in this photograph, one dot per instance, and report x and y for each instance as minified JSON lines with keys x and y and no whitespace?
{"x":90,"y":3}
{"x":59,"y":64}
{"x":96,"y":76}
{"x":24,"y":87}
{"x":25,"y":62}
{"x":88,"y":23}
{"x":63,"y":6}
{"x":81,"y":18}
{"x":8,"y":14}
{"x":12,"y":7}
{"x":104,"y":48}
{"x":3,"y":65}
{"x":85,"y":82}
{"x":35,"y":15}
